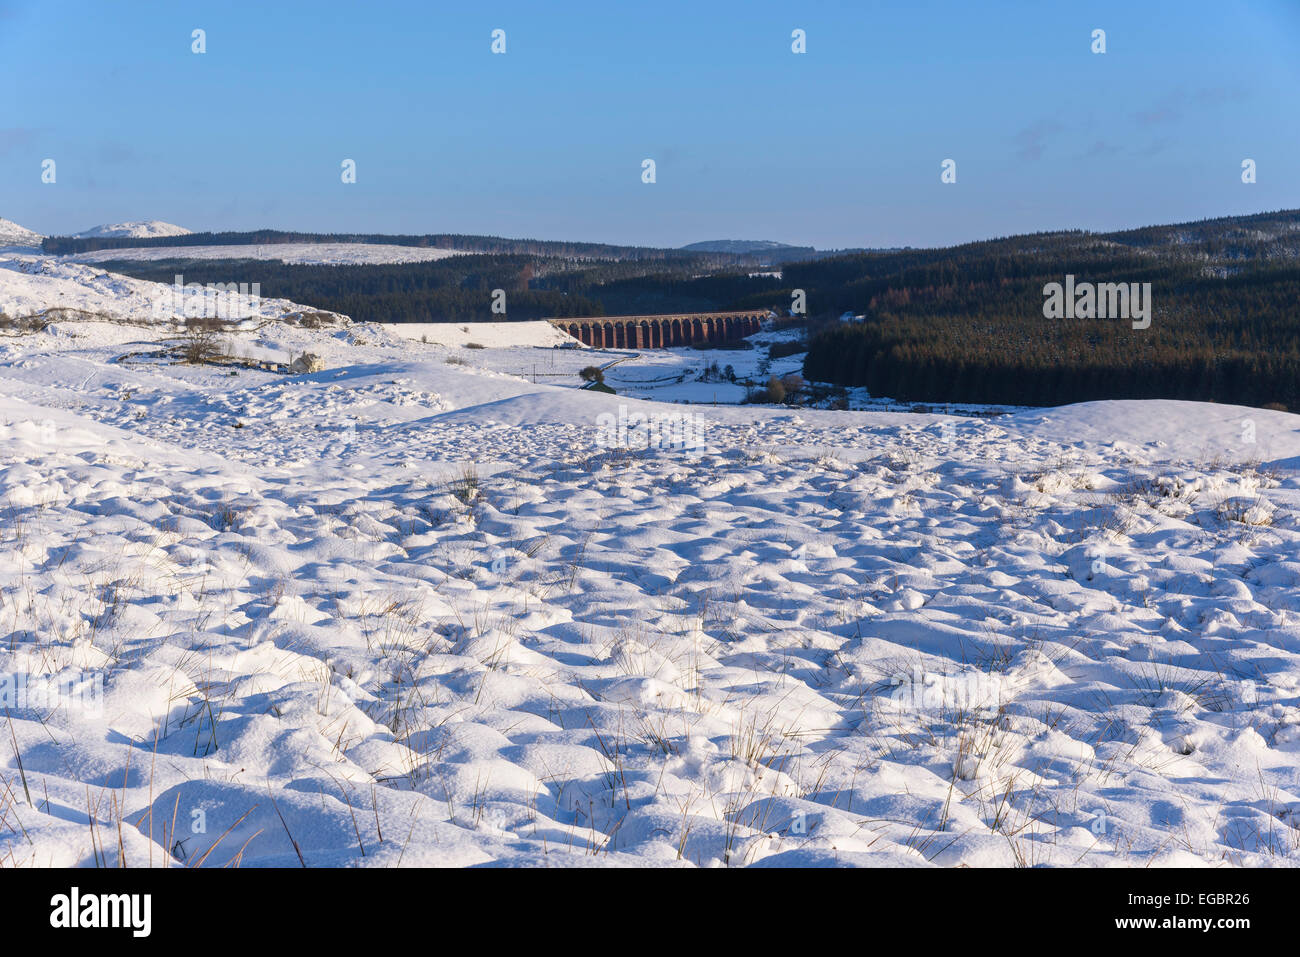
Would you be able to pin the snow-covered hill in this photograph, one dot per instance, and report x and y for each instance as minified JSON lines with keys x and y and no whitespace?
{"x":32,"y":283}
{"x":148,"y":229}
{"x":11,"y":234}
{"x":444,"y":607}
{"x":331,"y":254}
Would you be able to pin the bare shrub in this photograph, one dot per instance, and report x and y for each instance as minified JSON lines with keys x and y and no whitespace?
{"x":201,"y":342}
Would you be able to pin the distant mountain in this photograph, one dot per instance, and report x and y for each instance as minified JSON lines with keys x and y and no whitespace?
{"x":746,"y":247}
{"x":765,"y":251}
{"x":150,"y":229}
{"x":11,"y":234}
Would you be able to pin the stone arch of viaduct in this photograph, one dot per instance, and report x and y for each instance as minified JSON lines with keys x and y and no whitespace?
{"x":658,"y":332}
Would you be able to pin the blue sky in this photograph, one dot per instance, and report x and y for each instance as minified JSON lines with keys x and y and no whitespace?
{"x":839,"y":146}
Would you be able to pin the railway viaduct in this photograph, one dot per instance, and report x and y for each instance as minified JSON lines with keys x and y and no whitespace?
{"x":657,"y":332}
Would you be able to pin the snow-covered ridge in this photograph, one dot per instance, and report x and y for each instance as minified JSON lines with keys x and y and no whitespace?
{"x":32,"y":284}
{"x":144,"y":229}
{"x":11,"y":234}
{"x":328,"y":254}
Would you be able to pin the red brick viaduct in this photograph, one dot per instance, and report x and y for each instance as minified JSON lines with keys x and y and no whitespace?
{"x":656,"y":332}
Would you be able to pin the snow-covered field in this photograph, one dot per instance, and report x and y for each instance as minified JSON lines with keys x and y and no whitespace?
{"x":505,"y":338}
{"x":417,"y":608}
{"x":330,"y":254}
{"x":664,"y":375}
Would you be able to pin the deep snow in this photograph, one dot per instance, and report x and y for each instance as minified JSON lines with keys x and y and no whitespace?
{"x":418,"y":608}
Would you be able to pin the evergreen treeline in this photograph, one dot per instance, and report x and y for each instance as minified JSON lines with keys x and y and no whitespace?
{"x":459,"y":288}
{"x":972,"y":329}
{"x":625,"y":289}
{"x":69,"y":245}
